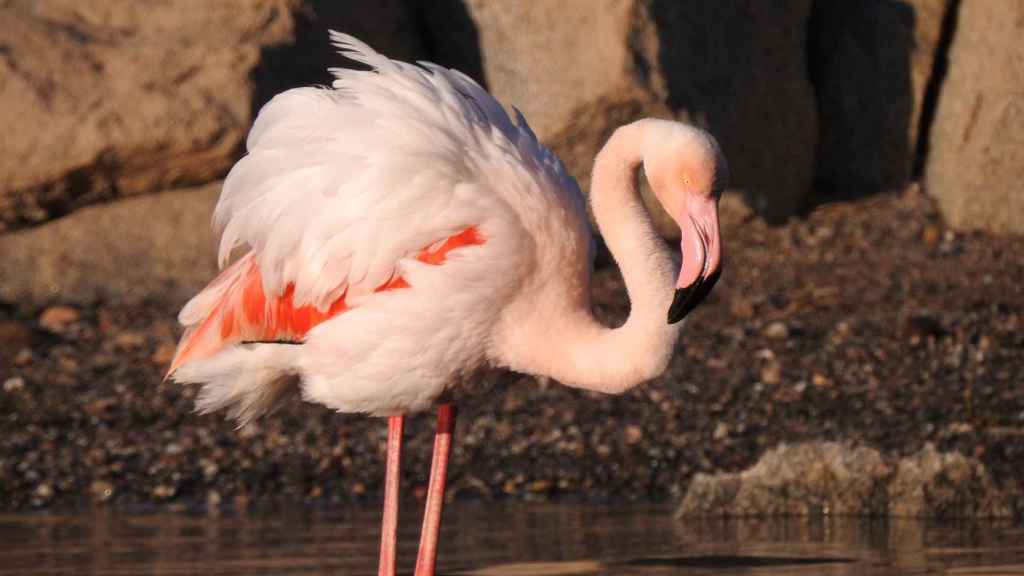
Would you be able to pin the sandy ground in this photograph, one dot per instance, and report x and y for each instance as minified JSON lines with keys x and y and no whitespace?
{"x":867,"y":322}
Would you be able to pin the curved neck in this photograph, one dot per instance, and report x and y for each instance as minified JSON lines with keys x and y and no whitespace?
{"x":614,"y":360}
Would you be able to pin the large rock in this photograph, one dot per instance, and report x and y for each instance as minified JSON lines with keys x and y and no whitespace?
{"x":159,"y":245}
{"x":871,"y":63}
{"x":105,"y":99}
{"x":975,"y":165}
{"x":580,"y":68}
{"x":822,"y":478}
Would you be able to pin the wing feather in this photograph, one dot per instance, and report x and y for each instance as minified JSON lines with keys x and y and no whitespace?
{"x":342,"y":184}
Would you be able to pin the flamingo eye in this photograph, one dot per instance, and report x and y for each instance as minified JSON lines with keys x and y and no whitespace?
{"x":686,"y":181}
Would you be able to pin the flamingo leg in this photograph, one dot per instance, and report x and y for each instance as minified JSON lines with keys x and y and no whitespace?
{"x":427,"y":557}
{"x":392,"y":479}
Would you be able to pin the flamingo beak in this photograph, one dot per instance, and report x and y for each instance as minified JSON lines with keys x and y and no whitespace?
{"x":701,"y":245}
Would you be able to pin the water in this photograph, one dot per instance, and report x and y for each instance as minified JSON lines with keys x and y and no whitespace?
{"x":484,"y":539}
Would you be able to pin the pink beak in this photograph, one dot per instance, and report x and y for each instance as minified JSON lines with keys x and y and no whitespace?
{"x":701,"y":245}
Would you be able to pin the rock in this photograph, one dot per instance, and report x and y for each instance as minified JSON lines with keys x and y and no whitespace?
{"x":664,"y":59}
{"x":945,"y":485}
{"x":101,"y":490}
{"x":799,"y":479}
{"x":870,"y":64}
{"x":776,"y":331}
{"x":57,"y":319}
{"x":975,"y":163}
{"x":15,"y":384}
{"x":771,"y":373}
{"x":159,"y":245}
{"x":817,"y":478}
{"x":113,"y":99}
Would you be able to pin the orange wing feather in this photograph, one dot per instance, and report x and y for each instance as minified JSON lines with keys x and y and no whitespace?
{"x":245,"y":313}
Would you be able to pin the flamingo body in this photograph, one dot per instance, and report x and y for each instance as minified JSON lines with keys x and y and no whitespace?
{"x":398,"y":232}
{"x":389,"y":221}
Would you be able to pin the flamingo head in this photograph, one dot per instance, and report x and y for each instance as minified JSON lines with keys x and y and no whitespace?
{"x":687,"y":172}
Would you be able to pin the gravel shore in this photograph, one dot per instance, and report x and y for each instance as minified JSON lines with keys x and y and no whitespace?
{"x":867,"y":322}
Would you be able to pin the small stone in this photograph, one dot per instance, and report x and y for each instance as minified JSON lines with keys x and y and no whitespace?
{"x":101,"y":490}
{"x":776,"y":331}
{"x":130,"y":340}
{"x":57,"y":319}
{"x":44,"y":491}
{"x":209,"y":467}
{"x":771,"y":373}
{"x":15,"y":384}
{"x":820,"y":380}
{"x":163,"y":492}
{"x":539,"y":486}
{"x":633,"y":434}
{"x":931,"y":235}
{"x":23,"y":357}
{"x":213,"y":499}
{"x":721,"y":431}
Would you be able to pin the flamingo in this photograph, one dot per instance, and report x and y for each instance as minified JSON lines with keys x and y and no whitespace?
{"x":397,"y":233}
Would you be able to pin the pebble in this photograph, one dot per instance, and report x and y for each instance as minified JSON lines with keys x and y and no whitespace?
{"x":57,"y":319}
{"x":44,"y":491}
{"x":24,"y":357}
{"x":771,"y":373}
{"x":776,"y":331}
{"x":164,"y":492}
{"x":101,"y":490}
{"x":15,"y":384}
{"x":130,"y":340}
{"x":633,"y":434}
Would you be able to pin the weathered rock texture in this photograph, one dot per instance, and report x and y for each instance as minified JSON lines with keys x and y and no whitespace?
{"x":108,"y":99}
{"x":975,"y":165}
{"x":579,"y":69}
{"x":871,"y":63}
{"x":160,"y":244}
{"x":830,"y":478}
{"x":103,"y":100}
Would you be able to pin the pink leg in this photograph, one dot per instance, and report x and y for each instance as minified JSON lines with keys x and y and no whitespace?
{"x":392,"y":478}
{"x":427,"y":557}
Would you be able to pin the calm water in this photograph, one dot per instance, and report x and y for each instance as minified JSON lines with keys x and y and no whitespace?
{"x":510,"y":540}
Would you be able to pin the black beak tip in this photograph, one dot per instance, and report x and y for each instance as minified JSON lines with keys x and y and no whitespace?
{"x":689,"y":297}
{"x":677,"y":311}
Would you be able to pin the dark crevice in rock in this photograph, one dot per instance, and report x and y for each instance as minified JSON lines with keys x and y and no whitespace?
{"x":859,"y":64}
{"x":450,"y":38}
{"x":934,"y":87}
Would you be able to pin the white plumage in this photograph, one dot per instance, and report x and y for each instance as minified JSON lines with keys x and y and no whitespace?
{"x":340,"y":189}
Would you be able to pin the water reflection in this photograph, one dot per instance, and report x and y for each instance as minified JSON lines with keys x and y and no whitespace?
{"x":484,"y":539}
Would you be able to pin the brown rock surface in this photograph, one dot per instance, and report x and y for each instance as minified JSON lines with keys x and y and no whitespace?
{"x":108,"y":99}
{"x":871,"y":63}
{"x":155,"y":245}
{"x":705,"y":61}
{"x":975,"y":165}
{"x":821,"y":478}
